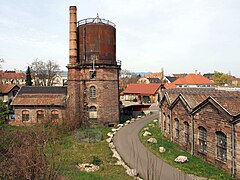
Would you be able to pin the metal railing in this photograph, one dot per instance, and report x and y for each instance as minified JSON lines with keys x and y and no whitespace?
{"x":95,"y":21}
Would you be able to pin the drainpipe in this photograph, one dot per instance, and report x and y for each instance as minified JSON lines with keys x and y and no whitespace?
{"x":192,"y":148}
{"x":233,"y":150}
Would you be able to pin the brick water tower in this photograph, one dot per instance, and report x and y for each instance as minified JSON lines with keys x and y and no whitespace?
{"x":93,"y":72}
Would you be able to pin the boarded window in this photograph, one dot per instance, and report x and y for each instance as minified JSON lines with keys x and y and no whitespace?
{"x":55,"y":116}
{"x":202,"y":139}
{"x":221,"y":146}
{"x":92,"y":92}
{"x":92,"y":112}
{"x":25,"y":115}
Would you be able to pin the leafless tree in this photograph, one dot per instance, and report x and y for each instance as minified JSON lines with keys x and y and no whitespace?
{"x":44,"y":73}
{"x":1,"y":61}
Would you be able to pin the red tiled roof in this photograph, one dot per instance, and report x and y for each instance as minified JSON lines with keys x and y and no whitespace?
{"x":154,"y":75}
{"x":39,"y":100}
{"x":143,"y":89}
{"x":12,"y":75}
{"x":190,"y":79}
{"x":5,"y":88}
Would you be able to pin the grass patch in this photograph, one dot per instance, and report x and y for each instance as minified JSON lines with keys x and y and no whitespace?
{"x":194,"y":165}
{"x":73,"y":152}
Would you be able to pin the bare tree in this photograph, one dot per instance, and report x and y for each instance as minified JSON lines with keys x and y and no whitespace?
{"x":1,"y":61}
{"x":44,"y":73}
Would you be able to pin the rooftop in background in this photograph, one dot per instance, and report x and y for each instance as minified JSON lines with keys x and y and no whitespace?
{"x":142,"y":89}
{"x":190,"y":79}
{"x":6,"y":88}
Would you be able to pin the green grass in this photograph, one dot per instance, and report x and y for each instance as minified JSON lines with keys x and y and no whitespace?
{"x":71,"y":152}
{"x":194,"y":165}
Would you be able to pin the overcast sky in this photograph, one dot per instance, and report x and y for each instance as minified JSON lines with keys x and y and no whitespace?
{"x":178,"y":35}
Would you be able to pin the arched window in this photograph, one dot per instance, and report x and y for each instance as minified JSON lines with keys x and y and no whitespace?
{"x":164,"y":122}
{"x":186,"y":131}
{"x":92,"y":112}
{"x":177,"y":128}
{"x":169,"y":127}
{"x":54,"y":116}
{"x":40,"y":116}
{"x":92,"y":92}
{"x":25,"y":115}
{"x":202,"y":139}
{"x":221,"y":146}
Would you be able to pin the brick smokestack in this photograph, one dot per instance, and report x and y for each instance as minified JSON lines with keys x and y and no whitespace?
{"x":73,"y":35}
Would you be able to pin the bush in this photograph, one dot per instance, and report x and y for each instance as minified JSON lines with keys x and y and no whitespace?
{"x":96,"y":161}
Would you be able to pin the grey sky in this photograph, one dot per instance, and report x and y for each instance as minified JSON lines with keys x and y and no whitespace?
{"x":178,"y":35}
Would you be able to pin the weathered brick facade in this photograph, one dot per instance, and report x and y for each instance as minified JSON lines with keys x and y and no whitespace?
{"x":92,"y":64}
{"x":196,"y":114}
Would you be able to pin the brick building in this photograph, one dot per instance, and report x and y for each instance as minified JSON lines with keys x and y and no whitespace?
{"x":205,"y":122}
{"x":92,"y":93}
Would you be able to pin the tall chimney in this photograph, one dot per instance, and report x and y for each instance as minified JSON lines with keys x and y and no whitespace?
{"x":73,"y":35}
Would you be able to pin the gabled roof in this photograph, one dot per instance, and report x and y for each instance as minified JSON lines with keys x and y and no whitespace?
{"x":195,"y":98}
{"x":142,"y":89}
{"x":171,"y":78}
{"x":190,"y":79}
{"x":41,"y":96}
{"x":6,"y":88}
{"x":12,"y":75}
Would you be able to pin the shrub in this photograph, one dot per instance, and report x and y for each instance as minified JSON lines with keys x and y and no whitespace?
{"x":96,"y":161}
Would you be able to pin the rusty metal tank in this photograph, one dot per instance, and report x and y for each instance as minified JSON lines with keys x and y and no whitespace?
{"x":96,"y":41}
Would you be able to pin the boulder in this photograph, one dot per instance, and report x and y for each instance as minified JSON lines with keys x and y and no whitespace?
{"x":181,"y":159}
{"x":146,"y":128}
{"x":120,"y":125}
{"x":162,"y":149}
{"x":88,"y":167}
{"x":131,"y":172}
{"x":155,"y":120}
{"x":127,"y":122}
{"x":151,"y":125}
{"x":146,"y":133}
{"x":114,"y":130}
{"x":152,"y":140}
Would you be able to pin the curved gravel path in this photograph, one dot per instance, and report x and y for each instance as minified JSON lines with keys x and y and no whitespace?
{"x":138,"y":157}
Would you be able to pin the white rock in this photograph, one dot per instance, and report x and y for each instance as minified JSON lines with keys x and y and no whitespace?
{"x":132,"y":119}
{"x":155,"y":120}
{"x":146,"y":133}
{"x":151,"y":125}
{"x":88,"y":167}
{"x":146,"y":128}
{"x":120,"y":125}
{"x":139,"y":116}
{"x":110,"y":134}
{"x":162,"y":149}
{"x":111,"y":145}
{"x":132,"y":172}
{"x":181,"y":159}
{"x":127,"y":122}
{"x":114,"y":130}
{"x":152,"y":140}
{"x":109,"y":140}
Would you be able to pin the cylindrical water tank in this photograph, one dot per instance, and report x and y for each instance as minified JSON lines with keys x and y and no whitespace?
{"x":96,"y":41}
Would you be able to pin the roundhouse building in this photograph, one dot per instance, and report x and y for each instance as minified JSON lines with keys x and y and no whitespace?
{"x":205,"y":122}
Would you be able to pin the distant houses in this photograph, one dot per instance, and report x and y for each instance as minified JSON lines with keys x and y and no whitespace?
{"x":142,"y":93}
